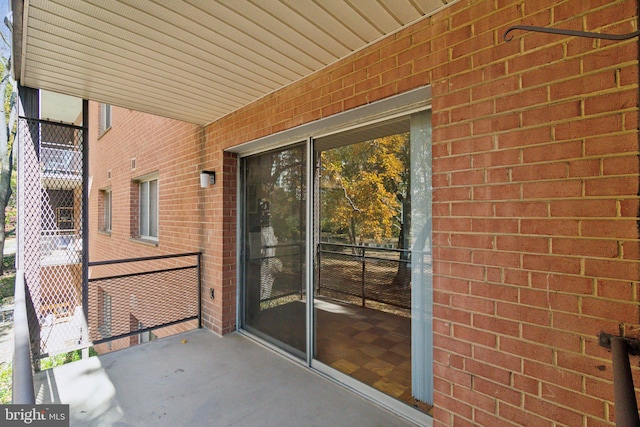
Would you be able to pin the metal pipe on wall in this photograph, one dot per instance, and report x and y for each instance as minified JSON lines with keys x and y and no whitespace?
{"x":624,"y":394}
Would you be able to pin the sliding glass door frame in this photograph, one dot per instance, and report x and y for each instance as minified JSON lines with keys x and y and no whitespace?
{"x":241,"y":236}
{"x":310,"y":251}
{"x":313,"y":233}
{"x":258,"y":201}
{"x":402,"y":105}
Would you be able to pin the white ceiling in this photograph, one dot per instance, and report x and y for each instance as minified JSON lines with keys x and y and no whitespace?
{"x":195,"y":60}
{"x":60,"y":108}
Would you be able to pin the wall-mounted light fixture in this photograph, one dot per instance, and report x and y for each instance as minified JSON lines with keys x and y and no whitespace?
{"x":207,"y":178}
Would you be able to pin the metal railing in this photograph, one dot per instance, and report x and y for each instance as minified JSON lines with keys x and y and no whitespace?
{"x":131,"y":297}
{"x":52,"y":201}
{"x":23,"y":390}
{"x":289,"y":258}
{"x":366,"y":273}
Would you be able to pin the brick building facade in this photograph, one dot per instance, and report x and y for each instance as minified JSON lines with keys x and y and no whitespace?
{"x":535,"y":197}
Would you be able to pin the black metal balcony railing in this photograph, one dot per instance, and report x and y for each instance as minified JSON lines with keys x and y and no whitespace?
{"x":365,"y":273}
{"x":129,"y":298}
{"x":350,"y":272}
{"x":149,"y":294}
{"x":290,"y":276}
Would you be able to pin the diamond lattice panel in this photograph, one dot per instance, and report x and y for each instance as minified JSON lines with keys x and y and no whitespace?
{"x":52,"y":167}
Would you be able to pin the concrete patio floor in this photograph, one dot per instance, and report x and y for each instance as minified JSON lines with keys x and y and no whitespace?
{"x":200,"y":379}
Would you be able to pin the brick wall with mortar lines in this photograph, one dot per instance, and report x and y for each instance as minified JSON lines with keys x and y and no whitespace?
{"x":168,"y":147}
{"x":535,"y":177}
{"x":535,"y":215}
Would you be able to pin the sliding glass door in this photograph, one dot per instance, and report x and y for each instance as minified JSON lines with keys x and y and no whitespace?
{"x":372,"y":293}
{"x":274,"y":218}
{"x":336,"y":268}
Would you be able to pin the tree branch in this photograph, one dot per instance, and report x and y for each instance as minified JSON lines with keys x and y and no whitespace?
{"x":346,"y":196}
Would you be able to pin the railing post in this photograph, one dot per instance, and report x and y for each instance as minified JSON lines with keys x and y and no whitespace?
{"x":625,"y":404}
{"x":199,"y":290}
{"x":23,"y":391}
{"x":303,"y":286}
{"x":319,"y":269}
{"x":364,"y":275}
{"x":85,"y":212}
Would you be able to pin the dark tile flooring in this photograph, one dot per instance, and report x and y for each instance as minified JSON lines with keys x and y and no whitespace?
{"x":369,"y":345}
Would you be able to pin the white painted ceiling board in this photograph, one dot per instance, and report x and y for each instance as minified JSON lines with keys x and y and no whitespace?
{"x":196,"y":60}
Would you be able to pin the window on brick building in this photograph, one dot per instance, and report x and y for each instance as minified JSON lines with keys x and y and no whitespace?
{"x":148,"y":208}
{"x":145,"y":336}
{"x":105,"y":118}
{"x":104,"y":313}
{"x":105,"y":206}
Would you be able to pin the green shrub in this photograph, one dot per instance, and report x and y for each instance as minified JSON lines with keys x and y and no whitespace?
{"x":8,"y":280}
{"x":7,"y":285}
{"x":64,"y":358}
{"x":9,"y":262}
{"x":5,"y":383}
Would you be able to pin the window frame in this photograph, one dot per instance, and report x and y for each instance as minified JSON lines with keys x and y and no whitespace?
{"x":106,"y":205}
{"x":149,"y":218}
{"x":105,"y":314}
{"x":105,"y":118}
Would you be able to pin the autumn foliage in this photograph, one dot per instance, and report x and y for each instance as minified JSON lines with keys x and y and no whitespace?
{"x":364,"y":188}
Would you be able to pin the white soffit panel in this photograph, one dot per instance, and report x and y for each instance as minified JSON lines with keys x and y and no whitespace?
{"x":196,"y":60}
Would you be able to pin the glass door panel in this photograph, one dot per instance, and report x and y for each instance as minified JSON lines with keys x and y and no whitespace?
{"x":274,"y":224}
{"x":365,"y":270}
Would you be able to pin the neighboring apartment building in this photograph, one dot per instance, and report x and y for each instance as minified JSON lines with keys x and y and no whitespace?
{"x":50,"y":222}
{"x":143,"y":201}
{"x":524,"y":216}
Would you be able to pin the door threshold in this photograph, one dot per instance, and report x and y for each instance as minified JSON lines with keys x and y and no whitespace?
{"x":330,"y":374}
{"x":270,"y":346}
{"x":391,"y":404}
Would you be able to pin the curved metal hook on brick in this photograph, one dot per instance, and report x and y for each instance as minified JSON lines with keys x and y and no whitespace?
{"x":508,"y":37}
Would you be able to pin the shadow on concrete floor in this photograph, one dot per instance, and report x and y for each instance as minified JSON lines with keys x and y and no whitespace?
{"x":200,"y":379}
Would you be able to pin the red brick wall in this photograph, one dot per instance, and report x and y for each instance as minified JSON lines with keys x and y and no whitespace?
{"x":535,"y":213}
{"x":172,"y":149}
{"x":535,"y":176}
{"x":169,"y":147}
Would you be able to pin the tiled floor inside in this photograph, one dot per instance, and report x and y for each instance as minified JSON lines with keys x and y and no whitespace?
{"x":370,"y":345}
